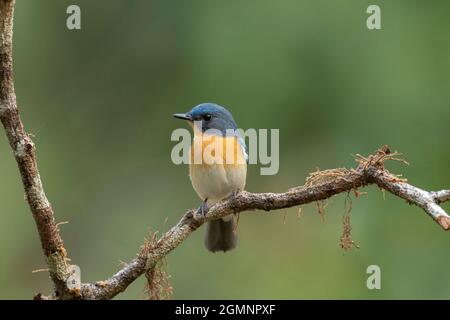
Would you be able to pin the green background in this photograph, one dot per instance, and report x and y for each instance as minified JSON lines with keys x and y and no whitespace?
{"x":99,"y":102}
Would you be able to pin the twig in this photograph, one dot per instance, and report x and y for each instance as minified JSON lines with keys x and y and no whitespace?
{"x":441,"y":196}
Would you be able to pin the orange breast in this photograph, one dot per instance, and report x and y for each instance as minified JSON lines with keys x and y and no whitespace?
{"x":212,"y":149}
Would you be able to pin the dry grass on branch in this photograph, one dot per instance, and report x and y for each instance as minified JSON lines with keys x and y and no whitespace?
{"x":346,"y":240}
{"x":379,"y":158}
{"x":158,"y":285}
{"x":318,"y":177}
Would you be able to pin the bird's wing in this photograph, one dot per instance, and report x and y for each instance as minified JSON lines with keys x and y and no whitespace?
{"x":243,"y":147}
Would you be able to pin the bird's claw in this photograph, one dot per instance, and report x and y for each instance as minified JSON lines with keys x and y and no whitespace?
{"x":203,"y":209}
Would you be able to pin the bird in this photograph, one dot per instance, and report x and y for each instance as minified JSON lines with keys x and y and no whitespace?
{"x":222,"y":170}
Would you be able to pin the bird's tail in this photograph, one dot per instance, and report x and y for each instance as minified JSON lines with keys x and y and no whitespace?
{"x":220,"y":235}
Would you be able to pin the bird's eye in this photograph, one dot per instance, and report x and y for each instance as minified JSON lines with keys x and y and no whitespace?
{"x":207,"y":117}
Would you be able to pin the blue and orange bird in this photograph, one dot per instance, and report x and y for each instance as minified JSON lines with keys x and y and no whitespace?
{"x":222,"y":169}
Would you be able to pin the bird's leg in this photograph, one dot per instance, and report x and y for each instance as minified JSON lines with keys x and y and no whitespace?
{"x":203,"y":209}
{"x":230,"y":197}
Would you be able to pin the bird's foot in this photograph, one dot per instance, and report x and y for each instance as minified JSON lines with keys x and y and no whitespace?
{"x":203,"y":209}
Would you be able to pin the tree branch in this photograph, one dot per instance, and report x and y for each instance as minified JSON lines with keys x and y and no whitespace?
{"x":319,"y":186}
{"x":24,"y":152}
{"x":441,"y":196}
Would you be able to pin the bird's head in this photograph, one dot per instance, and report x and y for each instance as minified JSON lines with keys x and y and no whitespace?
{"x":209,"y":116}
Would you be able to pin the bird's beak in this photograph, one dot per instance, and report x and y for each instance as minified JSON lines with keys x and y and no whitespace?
{"x":183,"y":116}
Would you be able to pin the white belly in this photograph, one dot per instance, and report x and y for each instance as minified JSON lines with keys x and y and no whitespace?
{"x":215,"y":182}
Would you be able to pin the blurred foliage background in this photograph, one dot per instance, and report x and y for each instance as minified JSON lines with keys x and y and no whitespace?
{"x":99,"y":102}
